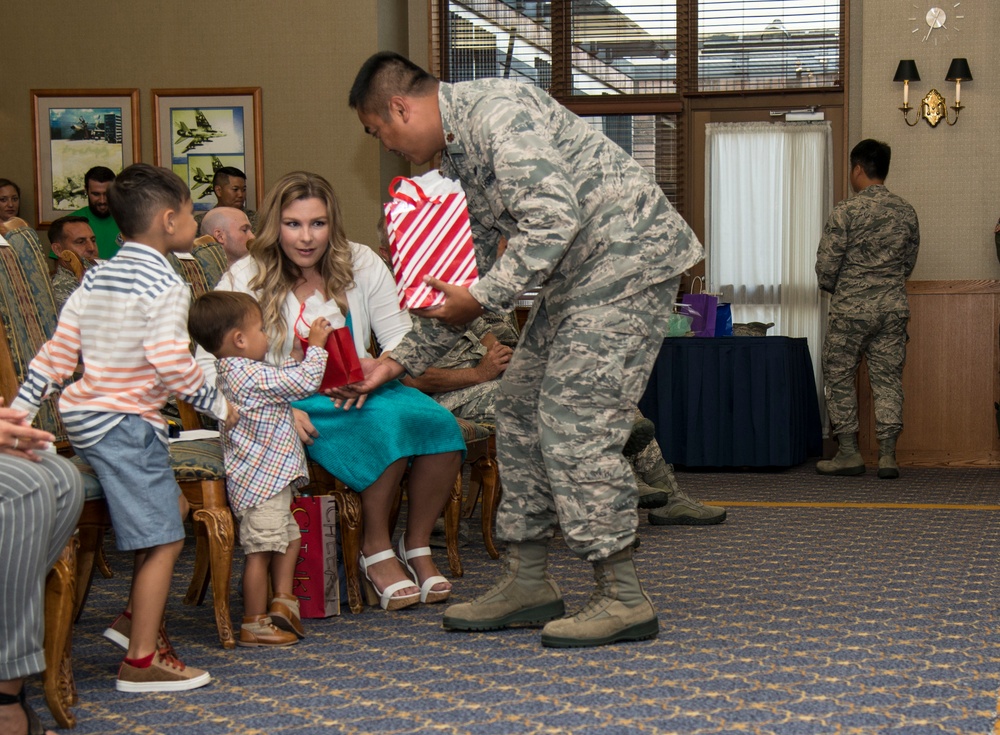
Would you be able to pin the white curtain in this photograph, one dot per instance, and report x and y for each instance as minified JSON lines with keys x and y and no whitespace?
{"x":769,"y":193}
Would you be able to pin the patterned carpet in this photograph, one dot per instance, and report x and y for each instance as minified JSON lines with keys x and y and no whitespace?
{"x":822,"y":605}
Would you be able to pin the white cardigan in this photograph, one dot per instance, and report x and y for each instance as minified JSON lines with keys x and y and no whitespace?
{"x":372,"y":304}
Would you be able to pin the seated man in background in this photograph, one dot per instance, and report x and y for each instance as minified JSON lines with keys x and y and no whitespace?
{"x":71,"y":233}
{"x":230,"y":187}
{"x":466,"y":379}
{"x":229,"y":227}
{"x":96,"y":182}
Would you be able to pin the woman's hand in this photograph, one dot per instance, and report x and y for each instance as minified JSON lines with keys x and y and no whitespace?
{"x":19,"y":439}
{"x":303,"y":426}
{"x":459,"y":308}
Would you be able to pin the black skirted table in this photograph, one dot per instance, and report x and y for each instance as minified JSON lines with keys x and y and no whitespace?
{"x":734,"y":402}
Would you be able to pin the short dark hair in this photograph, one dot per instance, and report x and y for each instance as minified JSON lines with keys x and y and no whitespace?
{"x":8,"y":182}
{"x":100,"y":174}
{"x":873,"y":156}
{"x":57,"y":226}
{"x":140,"y":192}
{"x":225,"y":173}
{"x":383,"y":76}
{"x":214,"y":314}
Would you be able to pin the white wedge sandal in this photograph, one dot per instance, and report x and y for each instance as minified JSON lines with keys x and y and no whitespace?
{"x":375,"y":596}
{"x":427,"y":595}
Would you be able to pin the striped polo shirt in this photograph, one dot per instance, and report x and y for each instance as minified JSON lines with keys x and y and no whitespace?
{"x":128,"y":324}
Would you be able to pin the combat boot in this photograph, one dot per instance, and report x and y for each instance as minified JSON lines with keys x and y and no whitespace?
{"x":887,"y":467}
{"x":677,"y":507}
{"x":525,"y":595}
{"x":643,"y":432}
{"x":847,"y":460}
{"x":618,"y":610}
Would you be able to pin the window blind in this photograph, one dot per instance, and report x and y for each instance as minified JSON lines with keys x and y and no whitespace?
{"x":768,"y":44}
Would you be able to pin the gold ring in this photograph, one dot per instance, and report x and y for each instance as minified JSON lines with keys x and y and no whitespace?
{"x":17,"y":440}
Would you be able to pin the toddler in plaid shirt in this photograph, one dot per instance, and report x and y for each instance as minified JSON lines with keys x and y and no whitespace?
{"x":265,"y":461}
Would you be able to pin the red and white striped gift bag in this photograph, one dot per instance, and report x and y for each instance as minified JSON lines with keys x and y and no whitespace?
{"x":429,"y":235}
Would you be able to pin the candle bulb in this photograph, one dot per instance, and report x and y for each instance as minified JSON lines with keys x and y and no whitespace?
{"x":958,"y":92}
{"x":906,"y":93}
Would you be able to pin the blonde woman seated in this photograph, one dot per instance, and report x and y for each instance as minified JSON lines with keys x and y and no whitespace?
{"x":300,"y":249}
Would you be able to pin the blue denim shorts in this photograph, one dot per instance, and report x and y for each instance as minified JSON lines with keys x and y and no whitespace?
{"x":133,"y":466}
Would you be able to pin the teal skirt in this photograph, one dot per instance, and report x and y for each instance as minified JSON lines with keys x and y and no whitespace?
{"x":357,"y":445}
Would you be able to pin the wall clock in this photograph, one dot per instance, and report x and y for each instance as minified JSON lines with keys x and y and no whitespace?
{"x":934,"y":22}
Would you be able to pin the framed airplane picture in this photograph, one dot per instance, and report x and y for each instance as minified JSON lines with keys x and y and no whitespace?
{"x":197,"y":132}
{"x":75,"y":130}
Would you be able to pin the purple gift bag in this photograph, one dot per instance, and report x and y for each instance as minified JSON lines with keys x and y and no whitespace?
{"x":703,"y":308}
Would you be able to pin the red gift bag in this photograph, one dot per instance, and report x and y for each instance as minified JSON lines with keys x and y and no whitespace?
{"x":342,"y":364}
{"x":428,"y":236}
{"x":316,"y":582}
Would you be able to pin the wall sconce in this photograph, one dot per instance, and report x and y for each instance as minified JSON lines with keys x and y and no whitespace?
{"x":933,"y":107}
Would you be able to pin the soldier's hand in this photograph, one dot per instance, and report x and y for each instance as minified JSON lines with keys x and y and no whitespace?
{"x":494,"y":362}
{"x":459,"y":308}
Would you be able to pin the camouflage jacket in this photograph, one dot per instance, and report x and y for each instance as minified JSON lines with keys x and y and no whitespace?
{"x":469,"y":350}
{"x":585,"y":224}
{"x":868,"y":250}
{"x":64,"y":283}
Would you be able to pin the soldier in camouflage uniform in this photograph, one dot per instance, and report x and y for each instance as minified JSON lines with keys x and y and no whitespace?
{"x":588,"y":229}
{"x":466,"y":380}
{"x":71,"y":233}
{"x":868,"y":250}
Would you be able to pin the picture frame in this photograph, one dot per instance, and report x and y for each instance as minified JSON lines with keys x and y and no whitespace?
{"x":197,"y":131}
{"x":74,"y":130}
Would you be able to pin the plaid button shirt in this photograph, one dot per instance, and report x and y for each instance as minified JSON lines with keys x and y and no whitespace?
{"x":263,"y":454}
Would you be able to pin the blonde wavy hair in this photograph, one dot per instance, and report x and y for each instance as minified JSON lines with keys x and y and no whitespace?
{"x":277,"y":275}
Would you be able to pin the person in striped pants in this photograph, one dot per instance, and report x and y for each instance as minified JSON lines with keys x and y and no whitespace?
{"x":41,"y":496}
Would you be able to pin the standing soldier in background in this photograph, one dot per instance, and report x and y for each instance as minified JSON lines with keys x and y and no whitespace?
{"x":868,"y":250}
{"x":589,"y":229}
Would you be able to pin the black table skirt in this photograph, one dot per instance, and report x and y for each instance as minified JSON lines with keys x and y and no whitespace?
{"x":734,"y":402}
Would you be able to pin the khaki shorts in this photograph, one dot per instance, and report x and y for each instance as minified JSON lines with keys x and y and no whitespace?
{"x":268,"y":526}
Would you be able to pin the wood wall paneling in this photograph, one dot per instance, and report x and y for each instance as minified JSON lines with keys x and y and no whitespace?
{"x":950,"y":381}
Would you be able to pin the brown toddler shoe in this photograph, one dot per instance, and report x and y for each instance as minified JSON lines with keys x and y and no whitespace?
{"x":259,"y":630}
{"x":284,"y":613}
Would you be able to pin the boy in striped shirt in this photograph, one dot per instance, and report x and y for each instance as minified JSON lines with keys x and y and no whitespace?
{"x":127,"y":324}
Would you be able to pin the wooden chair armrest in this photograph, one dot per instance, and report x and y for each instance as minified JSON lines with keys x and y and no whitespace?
{"x":69,"y":259}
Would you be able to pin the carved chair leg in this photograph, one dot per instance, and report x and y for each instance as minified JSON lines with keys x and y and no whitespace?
{"x":349,"y":510}
{"x":60,"y":600}
{"x":91,"y":539}
{"x":486,"y":469}
{"x":219,"y":528}
{"x":475,"y":486}
{"x":200,"y":577}
{"x":103,"y":566}
{"x":452,"y":517}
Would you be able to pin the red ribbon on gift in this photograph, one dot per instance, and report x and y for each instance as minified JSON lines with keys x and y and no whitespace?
{"x":432,"y":239}
{"x":342,"y":364}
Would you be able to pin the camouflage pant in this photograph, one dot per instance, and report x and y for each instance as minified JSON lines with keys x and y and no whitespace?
{"x":565,"y":409}
{"x":649,"y":458}
{"x":475,"y":403}
{"x":881,"y":338}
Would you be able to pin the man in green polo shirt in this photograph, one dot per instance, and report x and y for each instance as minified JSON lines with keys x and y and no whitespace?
{"x":96,"y":182}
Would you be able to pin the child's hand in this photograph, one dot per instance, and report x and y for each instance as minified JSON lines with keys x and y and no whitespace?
{"x":232,"y":416}
{"x":319,"y":330}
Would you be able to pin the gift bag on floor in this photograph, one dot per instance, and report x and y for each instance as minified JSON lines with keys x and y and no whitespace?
{"x":317,"y":583}
{"x":342,"y":364}
{"x":427,"y":222}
